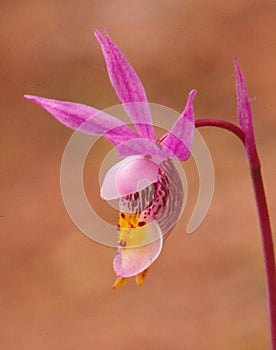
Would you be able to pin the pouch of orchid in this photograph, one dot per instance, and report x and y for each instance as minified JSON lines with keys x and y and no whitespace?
{"x":150,"y":195}
{"x":146,"y":182}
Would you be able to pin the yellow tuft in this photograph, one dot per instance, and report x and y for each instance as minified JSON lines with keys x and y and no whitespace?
{"x":128,"y":220}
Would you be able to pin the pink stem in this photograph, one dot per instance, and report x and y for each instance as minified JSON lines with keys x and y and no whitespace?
{"x":264,"y":222}
{"x":268,"y":249}
{"x":222,"y":124}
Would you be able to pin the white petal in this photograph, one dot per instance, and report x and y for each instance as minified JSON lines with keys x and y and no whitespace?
{"x":130,"y":175}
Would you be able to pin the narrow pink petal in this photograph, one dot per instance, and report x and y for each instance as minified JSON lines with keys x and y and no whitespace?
{"x":180,"y":138}
{"x":132,"y":260}
{"x":86,"y":119}
{"x":127,"y":86}
{"x":244,"y":109}
{"x":143,"y":147}
{"x":130,"y":175}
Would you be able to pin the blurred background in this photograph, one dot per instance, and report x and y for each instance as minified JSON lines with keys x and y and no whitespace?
{"x":207,"y":290}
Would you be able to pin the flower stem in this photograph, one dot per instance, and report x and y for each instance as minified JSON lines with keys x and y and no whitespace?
{"x":222,"y":124}
{"x":264,"y":221}
{"x":268,"y":250}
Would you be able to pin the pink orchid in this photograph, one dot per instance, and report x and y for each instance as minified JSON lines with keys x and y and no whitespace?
{"x":145,"y":181}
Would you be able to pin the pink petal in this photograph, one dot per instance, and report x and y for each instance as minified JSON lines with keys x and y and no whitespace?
{"x":130,"y":175}
{"x":180,"y":138}
{"x":143,"y":147}
{"x":127,"y":86}
{"x":134,"y":259}
{"x":86,"y":119}
{"x":244,"y":109}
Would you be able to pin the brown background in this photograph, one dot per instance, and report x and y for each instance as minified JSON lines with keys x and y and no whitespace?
{"x":207,"y":290}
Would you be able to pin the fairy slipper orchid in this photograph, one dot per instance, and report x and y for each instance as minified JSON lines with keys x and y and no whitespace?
{"x":145,"y":182}
{"x":150,"y":195}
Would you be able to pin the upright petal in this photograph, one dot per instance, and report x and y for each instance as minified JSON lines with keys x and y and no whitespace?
{"x":86,"y":119}
{"x":243,"y":104}
{"x":245,"y":117}
{"x":180,"y":138}
{"x":127,"y":86}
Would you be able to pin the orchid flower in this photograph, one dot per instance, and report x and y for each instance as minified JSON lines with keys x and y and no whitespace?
{"x":145,"y":182}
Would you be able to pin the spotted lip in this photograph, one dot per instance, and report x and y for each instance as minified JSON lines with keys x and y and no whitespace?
{"x":146,"y":218}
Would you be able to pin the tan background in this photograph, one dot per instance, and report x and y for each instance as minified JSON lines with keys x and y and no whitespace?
{"x":207,"y":290}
